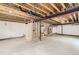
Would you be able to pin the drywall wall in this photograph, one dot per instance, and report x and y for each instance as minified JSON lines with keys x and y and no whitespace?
{"x":54,"y":29}
{"x":29,"y":31}
{"x":58,"y":29}
{"x":11,"y":29}
{"x":70,"y":29}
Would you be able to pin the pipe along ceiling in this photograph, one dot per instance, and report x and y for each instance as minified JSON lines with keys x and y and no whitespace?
{"x":34,"y":14}
{"x":30,"y":12}
{"x":71,"y":10}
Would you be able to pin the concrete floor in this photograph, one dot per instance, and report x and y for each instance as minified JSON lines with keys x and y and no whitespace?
{"x":52,"y":45}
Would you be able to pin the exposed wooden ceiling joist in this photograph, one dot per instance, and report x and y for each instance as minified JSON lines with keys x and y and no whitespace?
{"x":6,"y":17}
{"x":73,"y":15}
{"x":34,"y":6}
{"x":47,"y":8}
{"x":64,"y":7}
{"x":55,"y":7}
{"x":44,"y":9}
{"x":28,"y":9}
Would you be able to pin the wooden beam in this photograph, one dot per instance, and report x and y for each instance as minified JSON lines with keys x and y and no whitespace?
{"x":38,"y":8}
{"x":11,"y":18}
{"x":56,"y":21}
{"x":11,"y":11}
{"x":47,"y":8}
{"x":64,"y":13}
{"x":27,"y":8}
{"x":76,"y":15}
{"x":73,"y":15}
{"x":63,"y":5}
{"x":55,"y":7}
{"x":14,"y":12}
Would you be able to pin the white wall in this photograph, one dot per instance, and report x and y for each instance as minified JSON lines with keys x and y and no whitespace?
{"x":58,"y":29}
{"x":13,"y":29}
{"x":71,"y":29}
{"x":54,"y":29}
{"x":29,"y":31}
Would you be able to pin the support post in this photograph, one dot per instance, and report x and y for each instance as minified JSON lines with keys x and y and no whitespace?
{"x":40,"y":30}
